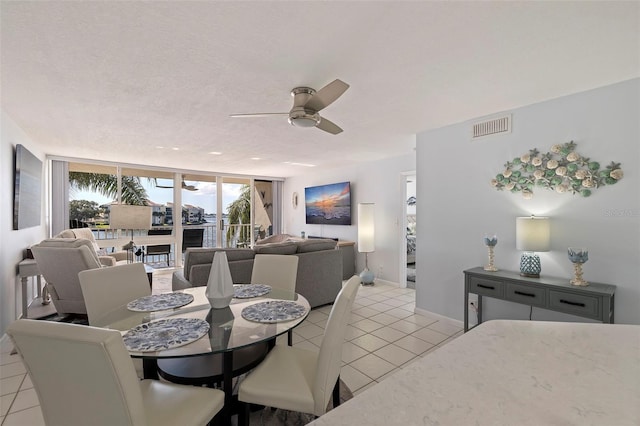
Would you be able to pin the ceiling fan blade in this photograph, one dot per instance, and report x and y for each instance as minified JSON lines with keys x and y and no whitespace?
{"x":258,"y":114}
{"x":328,"y":126}
{"x":325,"y":96}
{"x":164,"y":187}
{"x":188,"y":187}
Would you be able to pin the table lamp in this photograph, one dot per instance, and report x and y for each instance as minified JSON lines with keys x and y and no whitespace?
{"x":532,"y":235}
{"x":124,"y":216}
{"x":366,"y":239}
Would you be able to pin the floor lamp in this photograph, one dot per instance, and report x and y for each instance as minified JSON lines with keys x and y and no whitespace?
{"x":366,"y":239}
{"x":123,"y":216}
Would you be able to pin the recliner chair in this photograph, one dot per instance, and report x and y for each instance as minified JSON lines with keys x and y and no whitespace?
{"x":60,"y":260}
{"x":106,"y":259}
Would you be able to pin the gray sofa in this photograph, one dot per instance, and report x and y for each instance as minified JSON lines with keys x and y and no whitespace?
{"x":319,"y":267}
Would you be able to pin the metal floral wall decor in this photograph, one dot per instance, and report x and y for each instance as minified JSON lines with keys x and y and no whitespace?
{"x":561,"y":169}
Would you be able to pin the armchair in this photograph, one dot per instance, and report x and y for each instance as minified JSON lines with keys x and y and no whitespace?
{"x":106,"y":259}
{"x":60,"y":260}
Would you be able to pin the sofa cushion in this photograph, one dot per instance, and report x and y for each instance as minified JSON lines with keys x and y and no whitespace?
{"x":288,"y":247}
{"x":314,"y":244}
{"x":277,"y":238}
{"x":205,"y":255}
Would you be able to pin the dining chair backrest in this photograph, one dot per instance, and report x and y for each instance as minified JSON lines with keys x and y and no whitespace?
{"x":330,"y":355}
{"x":192,"y":237}
{"x":277,"y":270}
{"x":82,"y":375}
{"x":107,"y":288}
{"x":159,"y":249}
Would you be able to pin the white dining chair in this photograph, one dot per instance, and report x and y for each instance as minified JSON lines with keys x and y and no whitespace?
{"x":278,"y":271}
{"x":105,"y":289}
{"x":300,"y":380}
{"x":83,"y":375}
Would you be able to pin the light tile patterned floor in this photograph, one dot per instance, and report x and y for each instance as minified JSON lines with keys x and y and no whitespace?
{"x":384,"y":335}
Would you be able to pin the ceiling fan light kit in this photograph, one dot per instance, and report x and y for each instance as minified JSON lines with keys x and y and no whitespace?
{"x":300,"y":117}
{"x":306,"y":106}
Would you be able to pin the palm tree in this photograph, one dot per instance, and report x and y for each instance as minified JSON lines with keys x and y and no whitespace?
{"x":132,"y":191}
{"x":239,"y":212}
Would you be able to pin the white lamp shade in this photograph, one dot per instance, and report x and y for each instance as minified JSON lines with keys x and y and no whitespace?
{"x":533,"y":233}
{"x":366,"y":228}
{"x":123,"y":216}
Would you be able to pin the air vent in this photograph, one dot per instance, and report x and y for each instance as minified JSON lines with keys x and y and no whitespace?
{"x":492,"y":127}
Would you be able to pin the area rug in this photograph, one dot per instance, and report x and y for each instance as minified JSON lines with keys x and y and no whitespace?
{"x":270,"y":417}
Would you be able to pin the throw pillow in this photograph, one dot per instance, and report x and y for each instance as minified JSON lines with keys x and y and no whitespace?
{"x":314,"y":244}
{"x":276,"y":248}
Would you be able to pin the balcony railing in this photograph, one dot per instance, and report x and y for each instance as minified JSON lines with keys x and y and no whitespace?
{"x":141,"y":239}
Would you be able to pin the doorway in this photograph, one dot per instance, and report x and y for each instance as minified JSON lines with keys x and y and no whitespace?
{"x":410,"y":230}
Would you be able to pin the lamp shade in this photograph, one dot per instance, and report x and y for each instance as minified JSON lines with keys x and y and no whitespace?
{"x":533,"y":233}
{"x":124,"y":216}
{"x":366,"y":228}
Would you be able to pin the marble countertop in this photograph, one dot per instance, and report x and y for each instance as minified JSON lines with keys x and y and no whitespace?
{"x":511,"y":373}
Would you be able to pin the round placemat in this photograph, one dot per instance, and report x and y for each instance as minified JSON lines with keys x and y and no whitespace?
{"x":160,"y":302}
{"x":164,"y":334}
{"x":247,"y":291}
{"x":273,"y":311}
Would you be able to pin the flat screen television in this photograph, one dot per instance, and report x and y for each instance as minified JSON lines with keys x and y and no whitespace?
{"x":328,"y":204}
{"x":27,"y":181}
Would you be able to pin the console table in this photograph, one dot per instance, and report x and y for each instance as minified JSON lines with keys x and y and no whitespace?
{"x":595,"y":301}
{"x":28,"y":268}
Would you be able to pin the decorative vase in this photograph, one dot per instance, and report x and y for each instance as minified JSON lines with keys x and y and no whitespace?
{"x":219,"y":286}
{"x":490,"y":242}
{"x":578,"y":256}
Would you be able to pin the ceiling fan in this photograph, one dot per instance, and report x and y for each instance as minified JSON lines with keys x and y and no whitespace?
{"x":184,"y":186}
{"x":307,"y":103}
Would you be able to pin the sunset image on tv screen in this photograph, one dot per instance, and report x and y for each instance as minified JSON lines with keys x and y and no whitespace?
{"x":328,"y":204}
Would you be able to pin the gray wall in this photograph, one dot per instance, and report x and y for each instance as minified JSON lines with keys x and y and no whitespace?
{"x":457,"y":205}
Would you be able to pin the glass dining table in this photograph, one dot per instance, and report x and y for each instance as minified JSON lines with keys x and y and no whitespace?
{"x":229,"y":329}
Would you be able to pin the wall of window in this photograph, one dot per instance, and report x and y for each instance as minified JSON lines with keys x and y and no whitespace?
{"x":187,"y":208}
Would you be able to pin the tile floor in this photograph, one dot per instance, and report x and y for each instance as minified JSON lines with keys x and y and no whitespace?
{"x":384,"y":335}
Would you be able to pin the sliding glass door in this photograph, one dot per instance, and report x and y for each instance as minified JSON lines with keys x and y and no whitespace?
{"x":188,"y":209}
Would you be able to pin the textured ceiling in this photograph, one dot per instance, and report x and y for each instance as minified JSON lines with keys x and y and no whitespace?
{"x":116,"y":80}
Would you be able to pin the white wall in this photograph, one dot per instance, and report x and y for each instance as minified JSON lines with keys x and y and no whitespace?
{"x":13,"y":242}
{"x":453,"y":178}
{"x":379,"y":182}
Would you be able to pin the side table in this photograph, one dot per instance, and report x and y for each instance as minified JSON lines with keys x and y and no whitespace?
{"x":28,"y":268}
